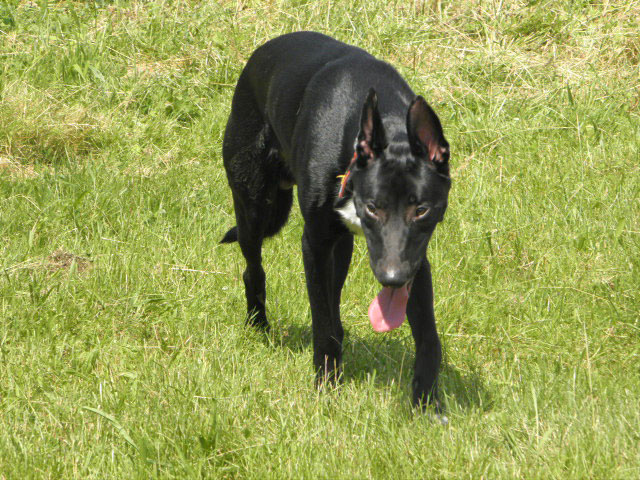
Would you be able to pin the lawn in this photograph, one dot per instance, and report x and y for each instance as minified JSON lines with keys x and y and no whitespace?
{"x":123,"y":352}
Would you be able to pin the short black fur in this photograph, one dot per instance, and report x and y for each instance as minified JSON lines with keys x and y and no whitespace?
{"x":307,"y":109}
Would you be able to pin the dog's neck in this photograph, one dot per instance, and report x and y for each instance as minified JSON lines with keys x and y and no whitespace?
{"x":349,"y":216}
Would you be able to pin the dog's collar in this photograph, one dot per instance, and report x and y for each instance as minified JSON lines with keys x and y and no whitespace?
{"x":345,"y":177}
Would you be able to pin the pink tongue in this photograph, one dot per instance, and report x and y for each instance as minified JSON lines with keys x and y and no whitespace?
{"x":389,"y":308}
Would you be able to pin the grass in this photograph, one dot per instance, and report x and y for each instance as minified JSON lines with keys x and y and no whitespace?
{"x":122,"y":348}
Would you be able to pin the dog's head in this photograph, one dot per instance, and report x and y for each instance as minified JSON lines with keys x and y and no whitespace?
{"x":398,"y":188}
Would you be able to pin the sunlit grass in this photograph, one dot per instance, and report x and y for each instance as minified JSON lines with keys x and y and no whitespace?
{"x":123,"y":351}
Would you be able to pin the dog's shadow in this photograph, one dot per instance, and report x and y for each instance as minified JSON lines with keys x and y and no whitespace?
{"x":388,"y":359}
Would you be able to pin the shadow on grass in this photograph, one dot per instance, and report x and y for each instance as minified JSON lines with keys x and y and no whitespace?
{"x":388,"y":359}
{"x":467,"y":390}
{"x":292,"y":337}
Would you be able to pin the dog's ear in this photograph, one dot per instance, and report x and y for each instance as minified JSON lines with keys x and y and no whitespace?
{"x":371,"y":139}
{"x":425,"y":134}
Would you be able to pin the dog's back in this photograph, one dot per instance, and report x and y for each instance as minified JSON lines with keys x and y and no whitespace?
{"x":311,"y":73}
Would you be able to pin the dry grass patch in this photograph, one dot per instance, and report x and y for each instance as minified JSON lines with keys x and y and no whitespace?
{"x":14,"y":170}
{"x":155,"y":161}
{"x":62,"y":260}
{"x":158,"y":68}
{"x":42,"y":129}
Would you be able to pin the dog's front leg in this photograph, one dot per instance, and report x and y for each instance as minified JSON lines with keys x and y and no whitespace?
{"x":428,"y":350}
{"x":317,"y":253}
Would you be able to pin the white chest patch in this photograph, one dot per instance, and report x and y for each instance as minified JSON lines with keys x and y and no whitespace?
{"x":350,"y":217}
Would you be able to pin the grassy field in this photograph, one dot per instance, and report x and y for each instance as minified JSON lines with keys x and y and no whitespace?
{"x":122,"y":347}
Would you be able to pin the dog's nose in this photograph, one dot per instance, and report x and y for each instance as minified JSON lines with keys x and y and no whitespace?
{"x":392,"y":277}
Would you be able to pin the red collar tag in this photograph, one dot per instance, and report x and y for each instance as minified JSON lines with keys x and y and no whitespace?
{"x":345,"y":177}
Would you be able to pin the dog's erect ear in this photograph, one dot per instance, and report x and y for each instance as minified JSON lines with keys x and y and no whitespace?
{"x":371,"y":139}
{"x":425,"y":134}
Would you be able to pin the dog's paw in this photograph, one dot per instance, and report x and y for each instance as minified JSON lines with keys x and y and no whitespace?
{"x":328,"y":373}
{"x":439,"y":418}
{"x":258,"y":320}
{"x":328,"y":380}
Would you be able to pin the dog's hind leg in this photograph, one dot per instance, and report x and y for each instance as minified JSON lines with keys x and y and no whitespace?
{"x":261,"y":206}
{"x":249,"y":230}
{"x":256,"y":221}
{"x":245,"y":152}
{"x":250,"y":237}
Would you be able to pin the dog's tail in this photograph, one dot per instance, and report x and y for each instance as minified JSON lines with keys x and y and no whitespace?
{"x":231,"y":236}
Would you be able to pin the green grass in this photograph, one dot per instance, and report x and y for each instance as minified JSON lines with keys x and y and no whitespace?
{"x":122,"y":348}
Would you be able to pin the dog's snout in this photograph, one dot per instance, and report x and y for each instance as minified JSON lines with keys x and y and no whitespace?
{"x":392,"y":277}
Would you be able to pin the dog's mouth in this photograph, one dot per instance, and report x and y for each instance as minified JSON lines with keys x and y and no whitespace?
{"x":389,"y":309}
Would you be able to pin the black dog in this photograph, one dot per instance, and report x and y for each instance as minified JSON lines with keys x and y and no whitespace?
{"x":305,"y":112}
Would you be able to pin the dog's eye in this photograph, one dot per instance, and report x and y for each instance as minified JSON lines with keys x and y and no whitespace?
{"x":371,"y":209}
{"x":422,"y":212}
